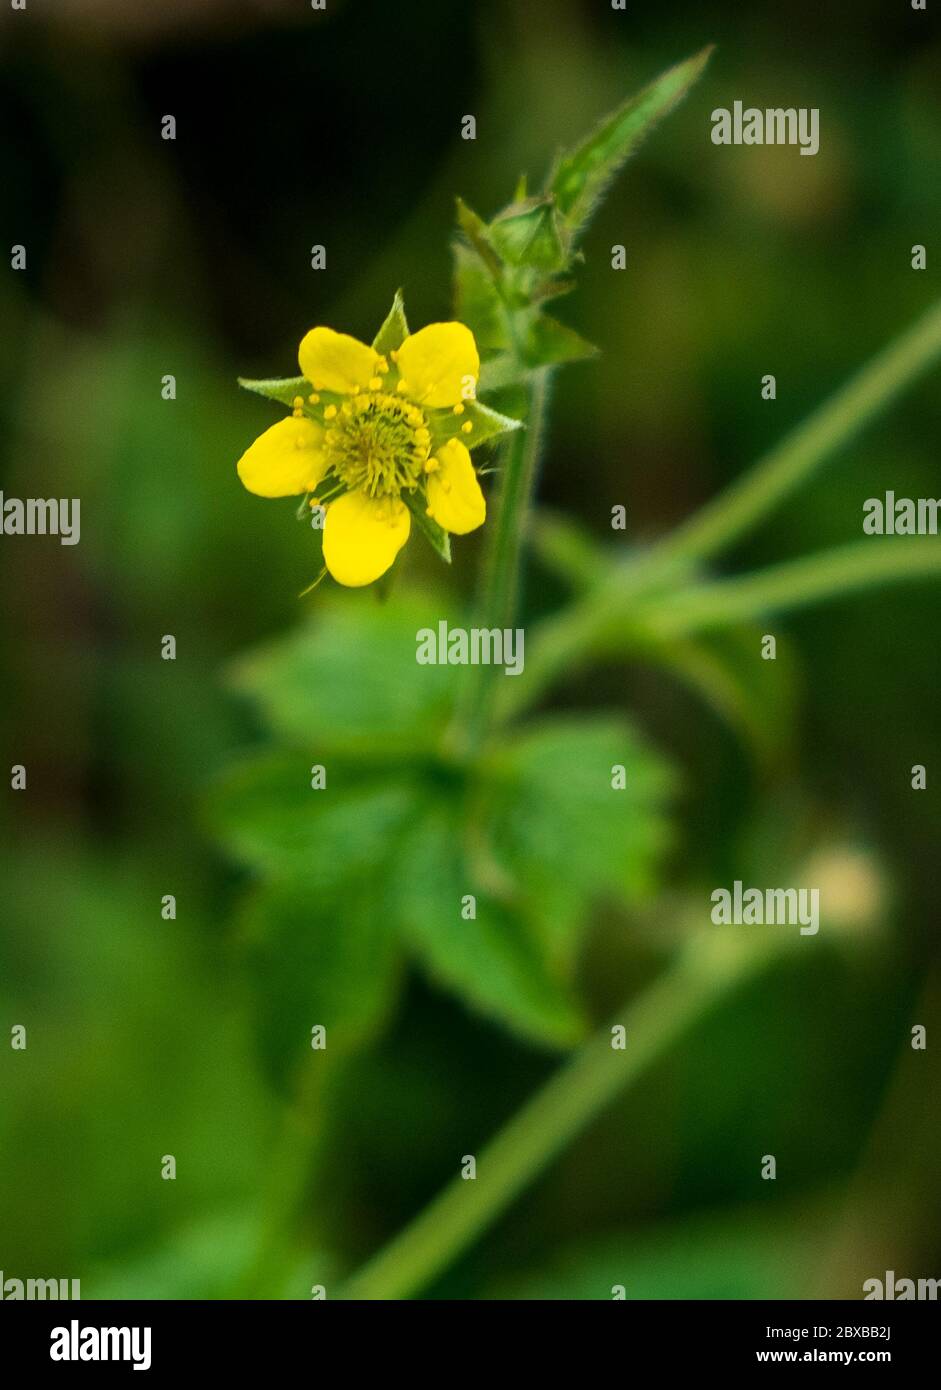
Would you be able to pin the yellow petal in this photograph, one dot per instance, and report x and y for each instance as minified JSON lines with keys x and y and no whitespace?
{"x":438,"y":363}
{"x":362,"y":536}
{"x":285,"y":460}
{"x":455,"y":500}
{"x":335,"y":361}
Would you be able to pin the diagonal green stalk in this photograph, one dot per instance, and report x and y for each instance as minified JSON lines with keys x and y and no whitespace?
{"x":811,"y":579}
{"x":703,"y":974}
{"x":831,"y":426}
{"x":611,"y":622}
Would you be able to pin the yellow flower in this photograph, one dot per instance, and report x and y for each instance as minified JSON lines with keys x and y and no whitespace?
{"x":375,"y":438}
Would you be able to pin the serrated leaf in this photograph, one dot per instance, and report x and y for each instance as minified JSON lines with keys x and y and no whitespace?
{"x":565,"y":834}
{"x":348,"y":681}
{"x":267,"y":815}
{"x":580,"y":177}
{"x":394,"y":331}
{"x":283,"y":389}
{"x":531,"y":235}
{"x":486,"y":424}
{"x":492,"y":962}
{"x":314,"y":959}
{"x":436,"y":536}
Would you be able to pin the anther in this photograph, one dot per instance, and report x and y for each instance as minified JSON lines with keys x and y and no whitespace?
{"x":330,"y":412}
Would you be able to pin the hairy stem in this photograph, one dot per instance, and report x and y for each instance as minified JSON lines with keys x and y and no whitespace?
{"x":500,"y":579}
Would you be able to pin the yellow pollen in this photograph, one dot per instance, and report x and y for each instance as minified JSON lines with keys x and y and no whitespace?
{"x":459,"y":408}
{"x":394,"y":354}
{"x":432,"y":466}
{"x":382,"y":366}
{"x":466,"y":427}
{"x":402,"y":386}
{"x":313,"y":398}
{"x":330,"y":412}
{"x":375,"y":383}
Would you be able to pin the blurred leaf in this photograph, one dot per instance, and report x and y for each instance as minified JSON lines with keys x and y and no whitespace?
{"x":437,"y":537}
{"x":491,"y":962}
{"x":580,"y":177}
{"x":267,"y":814}
{"x":202,"y":1260}
{"x":320,"y":958}
{"x":349,"y":682}
{"x":283,"y":389}
{"x":475,"y":229}
{"x":530,"y":235}
{"x":394,"y":331}
{"x":565,"y":835}
{"x":738,"y":1254}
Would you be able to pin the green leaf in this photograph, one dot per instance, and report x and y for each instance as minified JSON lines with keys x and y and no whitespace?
{"x":435,"y":535}
{"x":394,"y":331}
{"x":738,"y":1253}
{"x":477,"y":301}
{"x":475,"y":229}
{"x":549,"y":343}
{"x":348,"y":681}
{"x":322,"y":947}
{"x":580,"y":177}
{"x":265,"y":812}
{"x":492,"y":962}
{"x":531,"y":235}
{"x":278,"y":389}
{"x":564,"y":834}
{"x":487,"y":424}
{"x":327,"y":959}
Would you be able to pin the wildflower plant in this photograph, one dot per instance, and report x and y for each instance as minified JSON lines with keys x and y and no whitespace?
{"x":402,"y":813}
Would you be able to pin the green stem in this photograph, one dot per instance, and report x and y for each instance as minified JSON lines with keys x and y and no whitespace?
{"x":499,"y":589}
{"x":749,"y":499}
{"x":616,"y":621}
{"x":708,"y":966}
{"x":862,"y":565}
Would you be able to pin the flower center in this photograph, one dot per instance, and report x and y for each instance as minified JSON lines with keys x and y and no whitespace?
{"x":378,"y":443}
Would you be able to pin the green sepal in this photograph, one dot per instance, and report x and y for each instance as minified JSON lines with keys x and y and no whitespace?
{"x":531,"y":234}
{"x":283,"y":389}
{"x":488,"y":424}
{"x":549,"y":343}
{"x":394,"y":331}
{"x":437,"y":537}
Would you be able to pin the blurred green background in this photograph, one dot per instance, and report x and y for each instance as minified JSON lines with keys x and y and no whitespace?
{"x":148,"y":257}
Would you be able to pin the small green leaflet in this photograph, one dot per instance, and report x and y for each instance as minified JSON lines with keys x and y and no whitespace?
{"x":579,"y":178}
